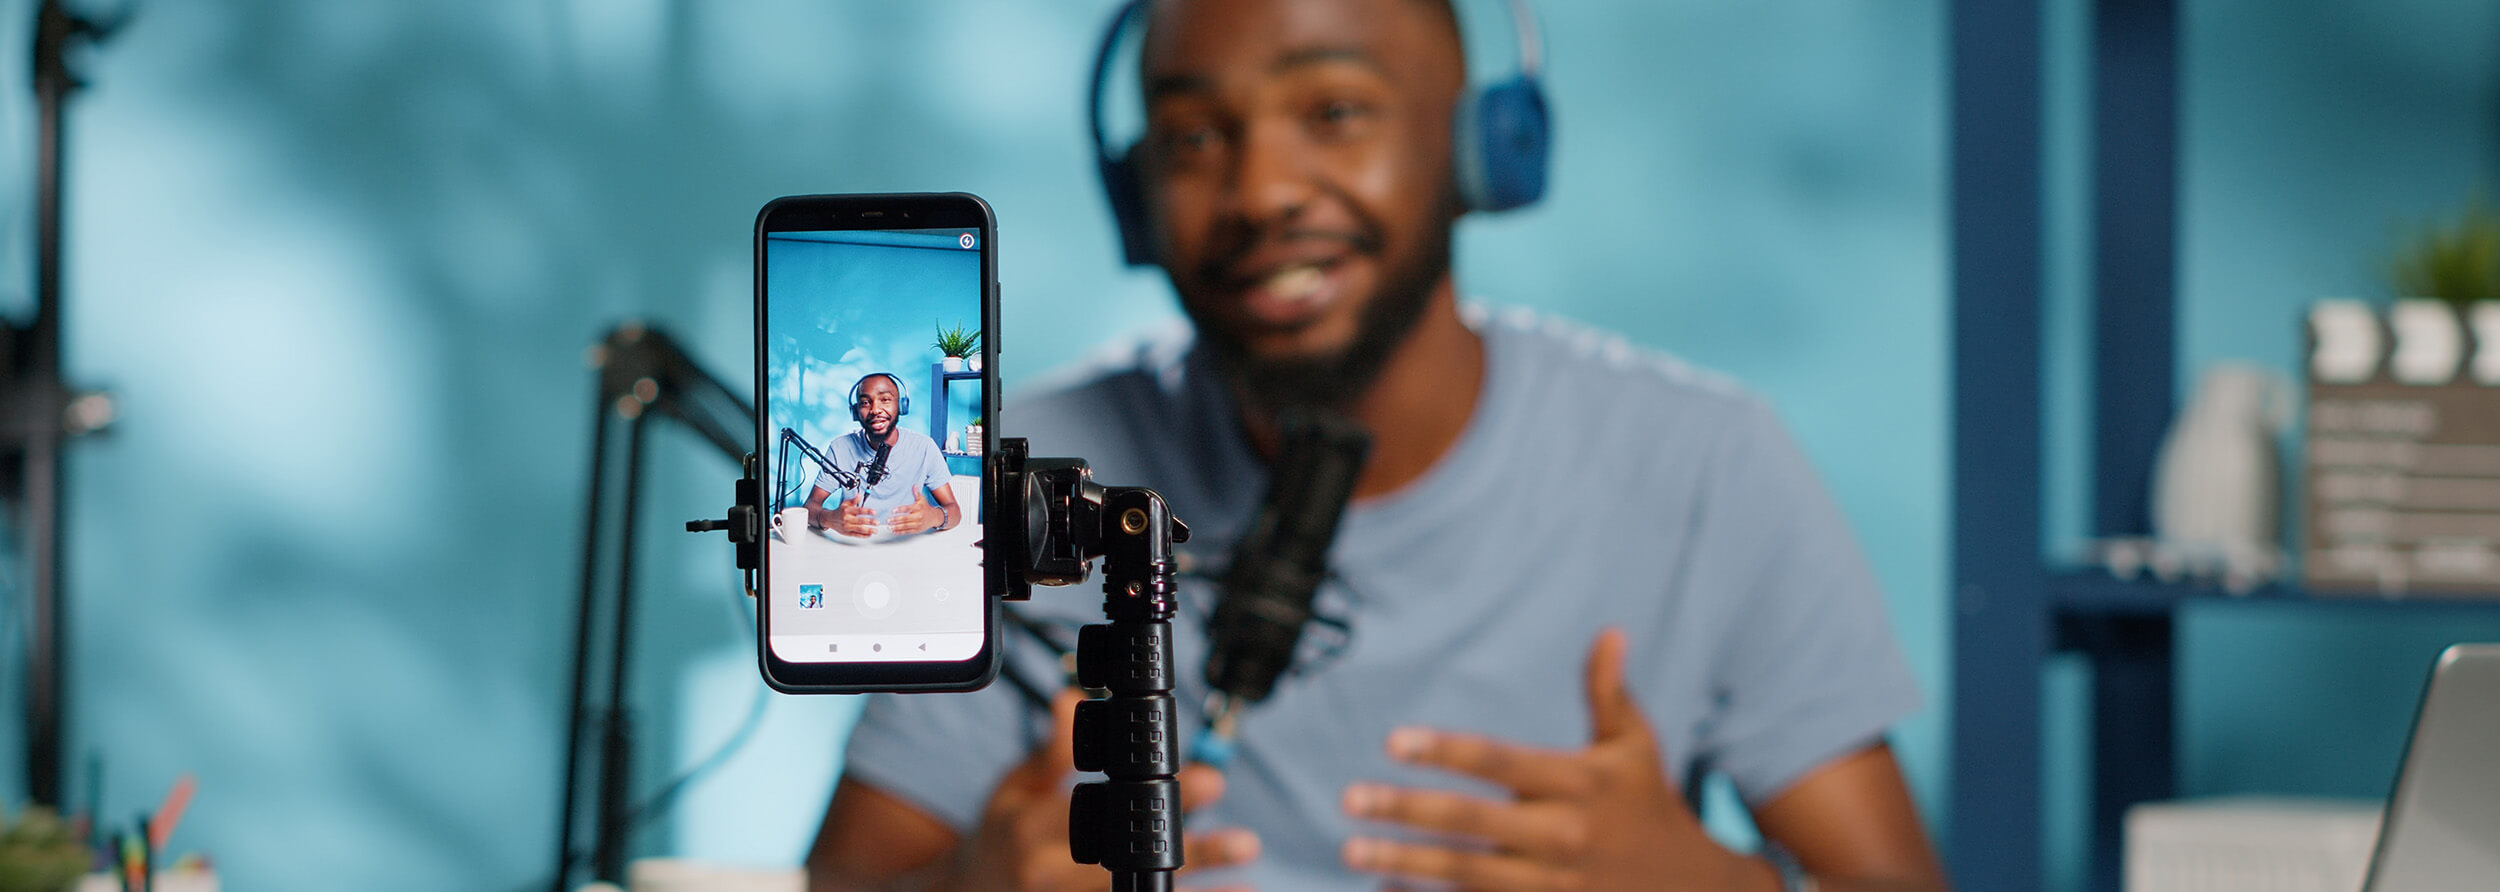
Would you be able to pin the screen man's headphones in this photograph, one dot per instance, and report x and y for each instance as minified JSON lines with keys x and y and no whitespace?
{"x":859,"y":407}
{"x":1500,"y":137}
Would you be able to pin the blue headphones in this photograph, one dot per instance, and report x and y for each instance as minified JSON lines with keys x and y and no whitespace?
{"x":902,"y":398}
{"x":1500,"y":132}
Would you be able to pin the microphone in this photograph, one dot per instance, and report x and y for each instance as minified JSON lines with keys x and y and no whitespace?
{"x":1276,"y":570}
{"x":876,"y":466}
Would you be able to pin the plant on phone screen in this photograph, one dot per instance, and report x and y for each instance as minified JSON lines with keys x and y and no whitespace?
{"x":958,"y":341}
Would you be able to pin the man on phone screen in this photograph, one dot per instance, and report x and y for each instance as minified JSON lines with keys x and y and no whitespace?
{"x":903,"y":484}
{"x":1530,"y":676}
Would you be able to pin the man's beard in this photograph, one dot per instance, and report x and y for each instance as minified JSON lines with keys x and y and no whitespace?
{"x":1335,"y":380}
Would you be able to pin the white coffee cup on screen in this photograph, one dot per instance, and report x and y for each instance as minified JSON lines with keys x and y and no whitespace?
{"x":791,"y":523}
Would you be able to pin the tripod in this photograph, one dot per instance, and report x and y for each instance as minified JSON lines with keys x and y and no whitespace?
{"x":1128,"y":822}
{"x":1052,"y":521}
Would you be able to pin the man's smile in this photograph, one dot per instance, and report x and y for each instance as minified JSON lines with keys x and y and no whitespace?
{"x":1293,"y":295}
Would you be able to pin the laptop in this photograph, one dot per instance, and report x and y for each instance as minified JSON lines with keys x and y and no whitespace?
{"x":2442,"y":830}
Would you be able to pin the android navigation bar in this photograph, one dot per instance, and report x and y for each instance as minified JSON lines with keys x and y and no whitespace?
{"x":878,"y":648}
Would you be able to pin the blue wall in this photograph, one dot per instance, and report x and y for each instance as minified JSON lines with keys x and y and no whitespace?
{"x":340,"y":261}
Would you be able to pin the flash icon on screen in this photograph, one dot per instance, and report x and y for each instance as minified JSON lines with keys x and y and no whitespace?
{"x":965,"y":240}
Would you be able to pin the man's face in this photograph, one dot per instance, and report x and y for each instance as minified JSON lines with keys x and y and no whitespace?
{"x":1297,"y":165}
{"x":877,"y":406}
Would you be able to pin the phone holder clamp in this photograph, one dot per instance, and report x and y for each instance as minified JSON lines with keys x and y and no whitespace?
{"x":745,"y":523}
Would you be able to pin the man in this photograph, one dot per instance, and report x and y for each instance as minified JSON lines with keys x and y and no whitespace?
{"x":1298,"y":173}
{"x":901,"y":471}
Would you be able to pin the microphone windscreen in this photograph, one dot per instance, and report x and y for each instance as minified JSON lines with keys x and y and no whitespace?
{"x":1282,"y":558}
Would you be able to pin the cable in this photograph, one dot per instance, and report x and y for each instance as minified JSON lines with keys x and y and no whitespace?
{"x":658,"y":803}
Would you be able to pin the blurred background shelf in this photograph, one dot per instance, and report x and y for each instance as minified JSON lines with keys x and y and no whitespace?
{"x":2019,"y":619}
{"x":2096,"y":593}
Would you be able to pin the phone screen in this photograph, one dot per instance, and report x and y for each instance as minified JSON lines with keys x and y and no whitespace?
{"x":875,"y":396}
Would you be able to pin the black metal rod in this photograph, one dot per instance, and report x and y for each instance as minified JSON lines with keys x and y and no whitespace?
{"x":55,"y":27}
{"x":607,"y":860}
{"x":579,"y":708}
{"x":39,"y":374}
{"x":791,"y":438}
{"x":643,"y":376}
{"x":47,"y":664}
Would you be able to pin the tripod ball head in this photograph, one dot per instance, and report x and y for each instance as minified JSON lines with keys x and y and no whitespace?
{"x":1051,"y":525}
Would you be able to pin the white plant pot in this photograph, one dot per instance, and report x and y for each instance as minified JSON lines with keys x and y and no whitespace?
{"x":953,"y":363}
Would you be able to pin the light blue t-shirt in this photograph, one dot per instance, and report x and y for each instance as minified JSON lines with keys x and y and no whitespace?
{"x":912,"y":466}
{"x":1596,"y":485}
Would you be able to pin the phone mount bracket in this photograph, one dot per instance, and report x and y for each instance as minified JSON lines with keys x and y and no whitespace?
{"x":745,"y":523}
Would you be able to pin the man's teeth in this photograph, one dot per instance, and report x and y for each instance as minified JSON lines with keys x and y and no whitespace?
{"x":1294,"y":284}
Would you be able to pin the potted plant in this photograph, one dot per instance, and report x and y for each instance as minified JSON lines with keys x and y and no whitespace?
{"x":972,"y":437}
{"x":957,"y":343}
{"x":2456,"y":261}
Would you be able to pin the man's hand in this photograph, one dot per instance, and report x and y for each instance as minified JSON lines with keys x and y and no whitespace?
{"x":1022,"y":843}
{"x":1605,"y":817}
{"x":851,"y":519}
{"x":916,"y":517}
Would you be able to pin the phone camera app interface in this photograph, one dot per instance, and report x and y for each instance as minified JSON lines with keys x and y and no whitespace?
{"x":874,"y":407}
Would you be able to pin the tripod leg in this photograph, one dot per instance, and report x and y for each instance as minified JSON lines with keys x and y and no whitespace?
{"x":1130,"y":823}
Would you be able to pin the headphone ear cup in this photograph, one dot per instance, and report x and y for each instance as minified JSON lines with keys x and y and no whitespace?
{"x":1503,"y":136}
{"x":1128,"y":207}
{"x":902,"y":406}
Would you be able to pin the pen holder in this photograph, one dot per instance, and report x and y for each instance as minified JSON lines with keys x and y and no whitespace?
{"x":23,"y":871}
{"x":38,"y":854}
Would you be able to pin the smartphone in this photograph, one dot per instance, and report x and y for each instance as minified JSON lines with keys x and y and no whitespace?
{"x":876,"y":377}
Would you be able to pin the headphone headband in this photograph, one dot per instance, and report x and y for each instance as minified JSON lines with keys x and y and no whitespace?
{"x":1531,"y":40}
{"x":1129,"y":11}
{"x":902,"y":397}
